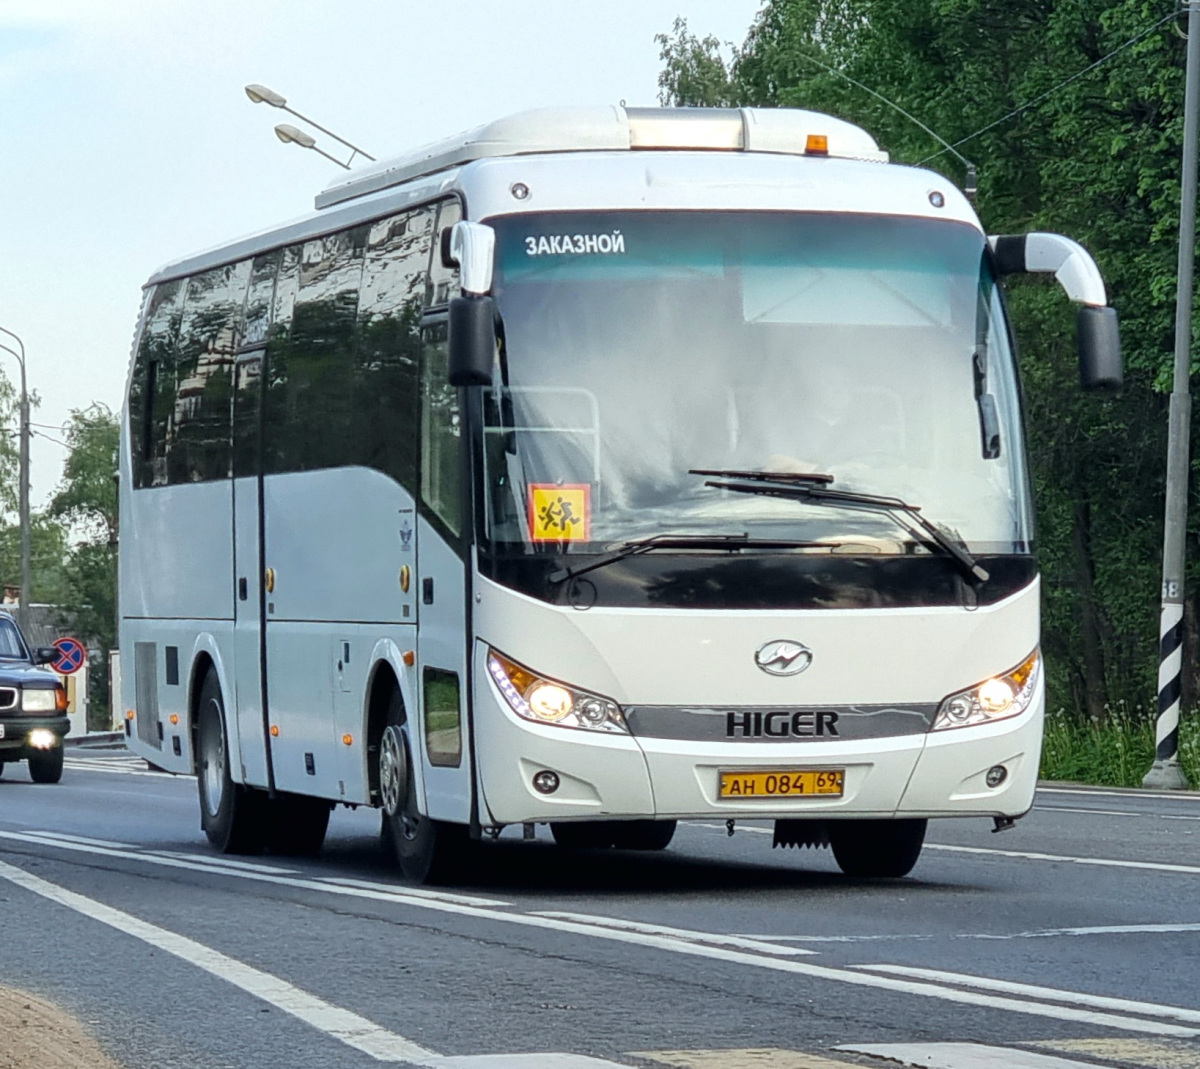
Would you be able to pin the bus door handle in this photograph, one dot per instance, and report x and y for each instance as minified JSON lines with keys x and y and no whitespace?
{"x":269,"y":580}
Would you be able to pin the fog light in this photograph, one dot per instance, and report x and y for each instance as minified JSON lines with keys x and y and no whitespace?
{"x":41,"y":739}
{"x":545,"y":782}
{"x":996,"y":775}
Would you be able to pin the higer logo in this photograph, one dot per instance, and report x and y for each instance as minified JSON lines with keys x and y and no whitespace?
{"x":779,"y":724}
{"x":782,"y":657}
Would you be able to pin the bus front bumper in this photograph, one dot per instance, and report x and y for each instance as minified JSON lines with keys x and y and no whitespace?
{"x":604,"y":776}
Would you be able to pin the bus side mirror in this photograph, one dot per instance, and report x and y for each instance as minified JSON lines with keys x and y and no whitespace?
{"x":1099,"y":344}
{"x":472,"y":340}
{"x":1097,"y":337}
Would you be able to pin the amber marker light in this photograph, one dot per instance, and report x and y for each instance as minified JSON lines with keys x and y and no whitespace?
{"x":816,"y":145}
{"x":60,"y":700}
{"x":409,"y":658}
{"x":348,"y":740}
{"x":128,"y":714}
{"x":274,"y":731}
{"x":174,"y":718}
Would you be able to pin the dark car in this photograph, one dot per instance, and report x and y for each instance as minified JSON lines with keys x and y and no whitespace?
{"x":33,"y":706}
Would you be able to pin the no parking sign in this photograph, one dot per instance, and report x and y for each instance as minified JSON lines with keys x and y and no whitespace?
{"x":71,"y":656}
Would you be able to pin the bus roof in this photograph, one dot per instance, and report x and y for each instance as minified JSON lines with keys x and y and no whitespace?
{"x":788,"y":131}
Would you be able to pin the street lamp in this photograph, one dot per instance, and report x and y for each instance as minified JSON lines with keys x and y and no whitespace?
{"x":289,"y":134}
{"x":23,"y":490}
{"x":260,"y":94}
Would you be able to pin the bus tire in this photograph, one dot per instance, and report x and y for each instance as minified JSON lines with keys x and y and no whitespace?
{"x":881,"y":848}
{"x":232,"y":816}
{"x":427,"y":850}
{"x":584,"y":835}
{"x":46,"y":766}
{"x":643,"y":834}
{"x":297,"y":825}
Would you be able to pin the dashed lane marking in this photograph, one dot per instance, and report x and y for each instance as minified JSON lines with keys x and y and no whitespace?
{"x":1147,"y":1053}
{"x":965,"y":1056}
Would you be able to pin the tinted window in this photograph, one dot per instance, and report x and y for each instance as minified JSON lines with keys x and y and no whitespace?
{"x":440,"y":432}
{"x":152,"y":388}
{"x":200,"y":443}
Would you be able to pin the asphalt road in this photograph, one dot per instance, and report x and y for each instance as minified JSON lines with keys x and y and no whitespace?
{"x":1073,"y":940}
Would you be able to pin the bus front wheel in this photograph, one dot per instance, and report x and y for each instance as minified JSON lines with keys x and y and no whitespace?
{"x":427,"y":850}
{"x":232,"y":816}
{"x":882,"y":848}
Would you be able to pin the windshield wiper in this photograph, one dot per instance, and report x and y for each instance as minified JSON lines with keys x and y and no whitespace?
{"x":637,"y":546}
{"x":900,"y":511}
{"x":787,"y":478}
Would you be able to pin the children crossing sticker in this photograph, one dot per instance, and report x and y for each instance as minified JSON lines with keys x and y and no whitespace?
{"x":560,"y":513}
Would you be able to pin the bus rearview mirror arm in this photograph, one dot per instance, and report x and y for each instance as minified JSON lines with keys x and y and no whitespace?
{"x":1098,"y":338}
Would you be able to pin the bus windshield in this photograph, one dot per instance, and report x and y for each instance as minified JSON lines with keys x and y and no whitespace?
{"x":639,"y":346}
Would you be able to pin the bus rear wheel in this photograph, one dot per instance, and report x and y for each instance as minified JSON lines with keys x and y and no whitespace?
{"x":232,"y":816}
{"x":880,"y":848}
{"x":427,"y":850}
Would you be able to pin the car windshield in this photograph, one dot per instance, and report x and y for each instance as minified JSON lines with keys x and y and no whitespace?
{"x":11,"y":645}
{"x":642,"y":345}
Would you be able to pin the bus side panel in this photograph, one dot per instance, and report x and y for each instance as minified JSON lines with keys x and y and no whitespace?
{"x":335,"y":543}
{"x":177,"y":550}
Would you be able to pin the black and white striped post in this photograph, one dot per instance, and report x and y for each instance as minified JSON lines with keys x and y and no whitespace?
{"x":1165,"y":772}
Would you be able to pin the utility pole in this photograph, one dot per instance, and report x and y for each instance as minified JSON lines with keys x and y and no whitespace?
{"x":23,"y":487}
{"x":1165,"y":772}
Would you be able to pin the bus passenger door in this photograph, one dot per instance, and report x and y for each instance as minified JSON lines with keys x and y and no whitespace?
{"x":439,"y":730}
{"x":247,"y":708}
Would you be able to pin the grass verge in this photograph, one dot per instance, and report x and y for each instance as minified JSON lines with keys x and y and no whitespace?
{"x":1116,"y":752}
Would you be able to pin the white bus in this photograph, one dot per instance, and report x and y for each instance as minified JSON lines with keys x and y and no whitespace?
{"x":600,"y":468}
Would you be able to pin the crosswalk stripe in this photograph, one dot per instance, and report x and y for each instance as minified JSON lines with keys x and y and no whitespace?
{"x":1146,"y":1053}
{"x":747,"y":1058}
{"x":965,"y":1056}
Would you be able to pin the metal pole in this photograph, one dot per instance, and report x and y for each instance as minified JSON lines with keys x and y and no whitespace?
{"x":23,"y":488}
{"x":1165,"y":772}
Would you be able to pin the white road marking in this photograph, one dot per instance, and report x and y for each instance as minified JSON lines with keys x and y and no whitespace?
{"x":964,"y":1056}
{"x":1122,"y":792}
{"x":121,"y":766}
{"x":1101,"y":862}
{"x":595,"y":929}
{"x":223,"y":862}
{"x":79,"y":839}
{"x":1099,"y":929}
{"x":1110,"y":812}
{"x":1051,"y":994}
{"x":341,"y":1024}
{"x":763,"y":946}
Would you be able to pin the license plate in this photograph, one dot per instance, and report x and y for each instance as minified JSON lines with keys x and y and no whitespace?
{"x":782,"y":783}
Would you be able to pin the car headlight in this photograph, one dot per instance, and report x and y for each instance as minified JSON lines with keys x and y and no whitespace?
{"x":546,"y":701}
{"x":39,"y":701}
{"x":993,"y":699}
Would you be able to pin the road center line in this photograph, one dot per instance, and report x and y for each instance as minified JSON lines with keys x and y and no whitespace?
{"x":594,"y":928}
{"x":341,"y":1024}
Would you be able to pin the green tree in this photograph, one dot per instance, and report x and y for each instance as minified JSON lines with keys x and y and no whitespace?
{"x":86,"y":504}
{"x":1096,"y":158}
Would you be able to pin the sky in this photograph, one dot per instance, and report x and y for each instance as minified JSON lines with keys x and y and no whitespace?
{"x":127,"y":140}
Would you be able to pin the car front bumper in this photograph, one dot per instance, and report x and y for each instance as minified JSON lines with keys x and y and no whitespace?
{"x":14,"y":733}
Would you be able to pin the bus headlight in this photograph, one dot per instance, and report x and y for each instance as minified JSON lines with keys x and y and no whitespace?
{"x":545,"y":701}
{"x":993,"y":699}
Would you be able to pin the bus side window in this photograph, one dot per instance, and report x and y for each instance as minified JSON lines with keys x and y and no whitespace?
{"x":441,"y":437}
{"x":209,"y":336}
{"x":153,"y":377}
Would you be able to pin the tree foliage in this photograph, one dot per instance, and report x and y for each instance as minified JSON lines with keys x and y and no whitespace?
{"x":86,"y":505}
{"x":1097,"y":158}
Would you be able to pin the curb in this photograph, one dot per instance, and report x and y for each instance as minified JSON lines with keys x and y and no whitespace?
{"x":96,"y":740}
